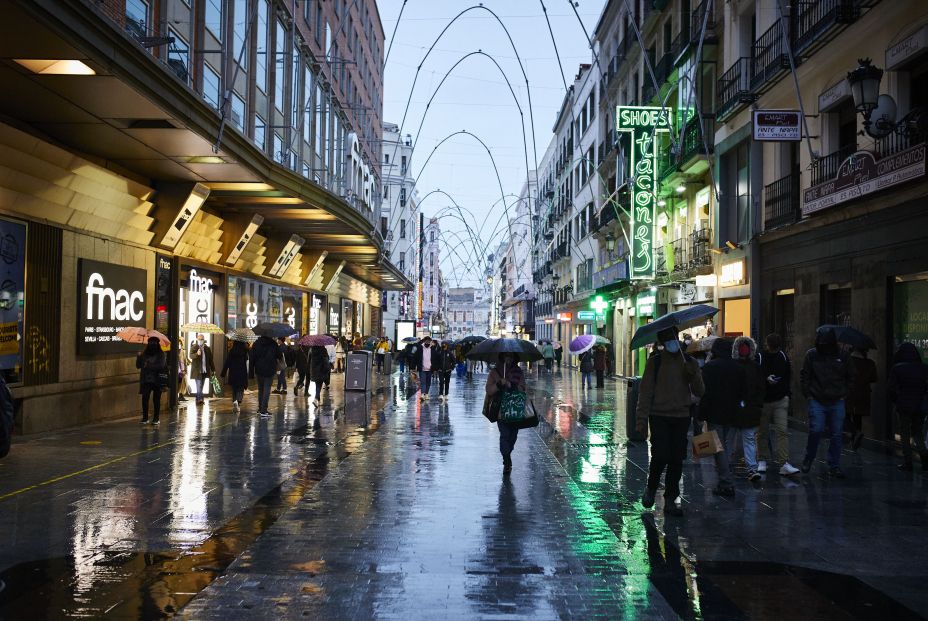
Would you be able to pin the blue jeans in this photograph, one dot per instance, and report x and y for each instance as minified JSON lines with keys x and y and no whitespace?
{"x":282,"y":380}
{"x":507,"y":438}
{"x":264,"y":392}
{"x":402,"y":366}
{"x":426,"y":382}
{"x":822,"y":416}
{"x":586,"y":379}
{"x":199,"y":384}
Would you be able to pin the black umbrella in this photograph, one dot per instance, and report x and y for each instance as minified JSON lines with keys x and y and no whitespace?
{"x":473,"y":338}
{"x":490,"y":349}
{"x":681,"y":319}
{"x":275,"y":330}
{"x":850,"y":336}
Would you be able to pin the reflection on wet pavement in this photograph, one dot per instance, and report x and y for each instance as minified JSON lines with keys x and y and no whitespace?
{"x":388,"y":507}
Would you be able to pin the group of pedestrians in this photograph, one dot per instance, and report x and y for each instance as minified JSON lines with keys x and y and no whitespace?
{"x":427,"y":358}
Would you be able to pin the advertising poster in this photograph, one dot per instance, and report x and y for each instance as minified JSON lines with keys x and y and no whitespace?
{"x":910,"y":302}
{"x":111,"y":297}
{"x":12,"y":287}
{"x":334,"y":320}
{"x":251,"y":302}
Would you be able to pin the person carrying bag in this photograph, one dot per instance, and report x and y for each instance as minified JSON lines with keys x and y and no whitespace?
{"x":506,"y":378}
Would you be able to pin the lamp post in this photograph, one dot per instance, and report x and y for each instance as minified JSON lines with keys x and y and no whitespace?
{"x":865,"y":88}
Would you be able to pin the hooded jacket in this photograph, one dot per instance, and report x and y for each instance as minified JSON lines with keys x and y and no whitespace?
{"x":908,"y":380}
{"x":753,"y":387}
{"x":724,"y":381}
{"x":826,"y":373}
{"x":264,"y":356}
{"x":778,"y":364}
{"x":670,"y":390}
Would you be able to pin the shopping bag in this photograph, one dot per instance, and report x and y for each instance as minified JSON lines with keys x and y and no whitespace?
{"x":706,"y":443}
{"x":491,"y":407}
{"x":531,"y":416}
{"x":512,"y":406}
{"x":216,"y":386}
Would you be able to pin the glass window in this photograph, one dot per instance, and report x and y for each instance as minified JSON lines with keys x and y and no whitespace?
{"x":279,"y":148}
{"x":237,"y":112}
{"x":214,"y":18}
{"x":261,"y":51}
{"x":137,"y":18}
{"x":239,"y":26}
{"x":295,"y":90}
{"x":403,"y":228}
{"x":260,"y":128}
{"x":320,"y":121}
{"x":179,"y":56}
{"x":211,"y":85}
{"x":280,"y":65}
{"x":307,"y":105}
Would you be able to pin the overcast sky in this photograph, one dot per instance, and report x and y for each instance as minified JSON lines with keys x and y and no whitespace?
{"x":475,"y":98}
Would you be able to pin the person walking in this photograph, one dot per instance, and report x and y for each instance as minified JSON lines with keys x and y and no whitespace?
{"x":744,"y":351}
{"x":380,"y":353}
{"x":330,"y":350}
{"x":670,"y":380}
{"x":720,"y":405}
{"x":857,"y":403}
{"x":586,"y":369}
{"x":235,"y":370}
{"x":289,"y":362}
{"x":547,"y":352}
{"x":152,"y":365}
{"x":181,"y":371}
{"x":907,"y":386}
{"x":599,"y":365}
{"x":558,"y":354}
{"x":302,"y":369}
{"x":201,"y":365}
{"x":446,"y":361}
{"x":825,"y":378}
{"x":340,"y":355}
{"x":506,"y":375}
{"x":319,"y":370}
{"x":423,"y":363}
{"x":265,"y":356}
{"x":773,"y":432}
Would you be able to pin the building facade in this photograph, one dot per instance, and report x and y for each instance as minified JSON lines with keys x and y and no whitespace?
{"x":177,"y":162}
{"x":432,"y":317}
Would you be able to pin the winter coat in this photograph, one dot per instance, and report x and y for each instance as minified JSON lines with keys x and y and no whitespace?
{"x":826,"y":374}
{"x":236,"y":367}
{"x":514,"y":377}
{"x":753,"y":392}
{"x":150,"y":367}
{"x":444,"y":360}
{"x":547,"y":351}
{"x":776,"y":364}
{"x":416,"y":360}
{"x":599,"y":360}
{"x":558,"y":353}
{"x":264,"y":356}
{"x":668,"y":391}
{"x":196,"y":357}
{"x":723,"y":378}
{"x":908,"y":380}
{"x":319,"y":367}
{"x":858,"y":394}
{"x":586,"y":362}
{"x":302,"y":360}
{"x":289,"y":355}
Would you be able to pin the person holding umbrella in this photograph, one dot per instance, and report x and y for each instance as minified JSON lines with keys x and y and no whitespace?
{"x":152,"y":365}
{"x":599,"y":365}
{"x":424,"y":361}
{"x":858,"y":396}
{"x":319,"y":369}
{"x":445,"y":363}
{"x":506,"y":375}
{"x":265,"y":354}
{"x":201,"y":365}
{"x":669,"y":382}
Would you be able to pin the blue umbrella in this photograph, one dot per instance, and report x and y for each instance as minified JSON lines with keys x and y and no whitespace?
{"x":685,"y":318}
{"x":275,"y":330}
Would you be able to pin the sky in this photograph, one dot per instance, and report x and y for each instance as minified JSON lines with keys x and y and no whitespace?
{"x":475,"y":98}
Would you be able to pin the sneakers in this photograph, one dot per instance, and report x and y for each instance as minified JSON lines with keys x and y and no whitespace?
{"x":316,"y":402}
{"x":836,"y":473}
{"x":236,"y":407}
{"x":155,"y":422}
{"x":724,"y":490}
{"x":144,"y":421}
{"x":762,"y":466}
{"x":647,"y":501}
{"x":788,"y":469}
{"x":296,"y":390}
{"x":806,"y":466}
{"x":753,"y":476}
{"x":264,"y":414}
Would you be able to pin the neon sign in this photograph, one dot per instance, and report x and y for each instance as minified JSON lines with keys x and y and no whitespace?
{"x":643,"y":123}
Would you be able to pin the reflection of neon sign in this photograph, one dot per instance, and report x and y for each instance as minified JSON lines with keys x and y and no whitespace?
{"x":290,"y":316}
{"x":315,"y":303}
{"x":251,"y":315}
{"x":643,"y":123}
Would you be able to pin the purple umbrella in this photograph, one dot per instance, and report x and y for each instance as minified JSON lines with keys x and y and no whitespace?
{"x":316,"y":340}
{"x":586,"y":342}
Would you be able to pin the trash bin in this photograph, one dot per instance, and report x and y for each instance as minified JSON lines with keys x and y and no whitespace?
{"x":388,"y":363}
{"x":631,"y":407}
{"x":358,"y":365}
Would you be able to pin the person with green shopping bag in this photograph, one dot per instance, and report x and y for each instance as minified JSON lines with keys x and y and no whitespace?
{"x":509,"y":377}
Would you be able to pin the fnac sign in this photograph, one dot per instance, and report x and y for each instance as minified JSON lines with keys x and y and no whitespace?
{"x":111,"y":297}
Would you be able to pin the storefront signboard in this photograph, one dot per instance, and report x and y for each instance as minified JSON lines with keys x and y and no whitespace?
{"x":645,"y":304}
{"x":644,"y":123}
{"x":910,"y":314}
{"x":317,"y":307}
{"x":690,"y":293}
{"x":564,"y":316}
{"x":164,"y":271}
{"x":862,"y":174}
{"x":777,"y":125}
{"x":111,"y":297}
{"x":732,"y":274}
{"x":834,"y":95}
{"x":907,"y":49}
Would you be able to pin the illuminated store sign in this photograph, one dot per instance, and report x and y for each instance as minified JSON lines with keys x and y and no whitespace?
{"x":644,"y":123}
{"x":112,"y":297}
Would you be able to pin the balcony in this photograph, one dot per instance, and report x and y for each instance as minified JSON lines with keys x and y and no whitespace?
{"x":666,"y":162}
{"x":912,"y":131}
{"x":781,"y":201}
{"x":815,"y":22}
{"x":734,"y":88}
{"x":606,"y":215}
{"x":696,"y":20}
{"x":771,"y":59}
{"x":690,"y":252}
{"x":826,"y":168}
{"x":694,"y":147}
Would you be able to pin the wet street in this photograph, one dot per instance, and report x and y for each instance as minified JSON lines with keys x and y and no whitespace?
{"x":384,"y":507}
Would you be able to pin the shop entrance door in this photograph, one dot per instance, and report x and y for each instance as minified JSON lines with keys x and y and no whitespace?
{"x":783,"y":318}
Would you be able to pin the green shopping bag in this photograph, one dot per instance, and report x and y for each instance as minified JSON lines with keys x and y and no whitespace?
{"x":512,"y":406}
{"x":216,"y":386}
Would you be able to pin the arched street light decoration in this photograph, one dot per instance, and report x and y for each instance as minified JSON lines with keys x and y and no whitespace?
{"x":643,"y":122}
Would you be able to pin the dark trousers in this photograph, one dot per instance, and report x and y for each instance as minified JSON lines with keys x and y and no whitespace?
{"x":426,"y":382}
{"x":155,"y":392}
{"x":444,"y":382}
{"x":668,"y":450}
{"x":302,"y":381}
{"x":507,"y":438}
{"x":549,"y":364}
{"x":379,"y":362}
{"x":910,"y":427}
{"x":238,"y":393}
{"x":282,"y":379}
{"x":264,"y":392}
{"x":601,"y":379}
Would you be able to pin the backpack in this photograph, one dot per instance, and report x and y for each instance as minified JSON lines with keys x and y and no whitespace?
{"x":6,"y":418}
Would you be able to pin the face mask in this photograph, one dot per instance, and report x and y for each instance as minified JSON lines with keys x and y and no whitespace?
{"x":672,"y":347}
{"x":744,"y":351}
{"x":200,"y":342}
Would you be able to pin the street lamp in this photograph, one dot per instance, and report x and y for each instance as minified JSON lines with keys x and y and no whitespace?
{"x":865,"y":87}
{"x":610,"y":243}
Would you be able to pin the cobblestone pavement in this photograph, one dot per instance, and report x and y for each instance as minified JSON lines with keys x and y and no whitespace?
{"x":388,"y":508}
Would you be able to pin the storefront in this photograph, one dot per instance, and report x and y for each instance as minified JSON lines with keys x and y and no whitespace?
{"x":201,"y":299}
{"x":12,"y":297}
{"x":734,"y":318}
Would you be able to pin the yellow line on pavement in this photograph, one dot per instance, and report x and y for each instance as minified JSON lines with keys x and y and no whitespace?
{"x":100,"y":465}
